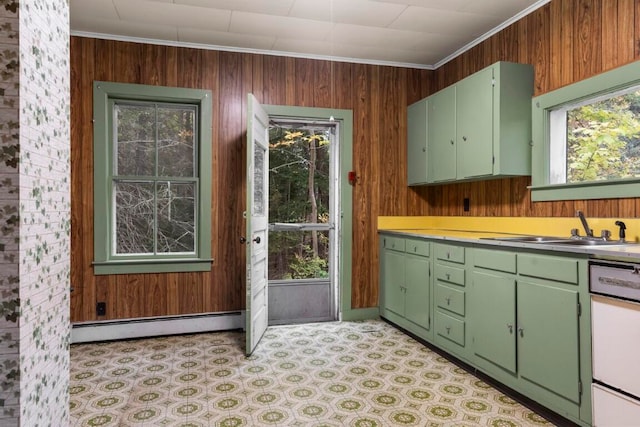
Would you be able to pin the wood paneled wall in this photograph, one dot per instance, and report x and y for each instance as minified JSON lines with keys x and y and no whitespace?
{"x":566,"y":41}
{"x":377,"y":95}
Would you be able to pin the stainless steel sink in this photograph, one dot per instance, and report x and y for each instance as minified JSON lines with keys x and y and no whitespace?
{"x":559,"y":241}
{"x":527,"y":239}
{"x":589,"y":242}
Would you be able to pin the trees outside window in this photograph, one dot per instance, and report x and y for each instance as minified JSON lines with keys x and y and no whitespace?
{"x":299,"y":193}
{"x":603,"y":139}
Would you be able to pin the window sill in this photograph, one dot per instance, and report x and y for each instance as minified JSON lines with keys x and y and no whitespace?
{"x":172,"y":265}
{"x":586,"y":190}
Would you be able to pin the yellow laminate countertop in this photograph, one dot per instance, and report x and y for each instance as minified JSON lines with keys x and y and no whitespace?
{"x":480,"y":230}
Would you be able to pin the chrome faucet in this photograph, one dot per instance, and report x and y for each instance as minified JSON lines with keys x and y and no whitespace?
{"x":583,"y":220}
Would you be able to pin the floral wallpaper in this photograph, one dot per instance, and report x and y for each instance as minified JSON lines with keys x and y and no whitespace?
{"x":34,"y":212}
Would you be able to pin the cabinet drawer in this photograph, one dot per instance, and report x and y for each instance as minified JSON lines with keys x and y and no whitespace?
{"x":450,"y":299}
{"x":450,"y":328}
{"x":394,"y":243}
{"x":450,"y":274}
{"x":450,"y":253}
{"x":495,"y":260}
{"x":417,"y":247}
{"x":548,"y":267}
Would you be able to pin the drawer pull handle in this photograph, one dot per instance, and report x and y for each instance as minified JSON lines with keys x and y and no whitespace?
{"x":448,"y":255}
{"x":510,"y":326}
{"x":415,"y":249}
{"x":448,"y":328}
{"x":448,"y":276}
{"x":448,"y":300}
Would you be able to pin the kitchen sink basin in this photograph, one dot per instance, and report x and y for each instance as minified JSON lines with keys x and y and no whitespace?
{"x":559,"y":241}
{"x":528,"y":239}
{"x":589,"y":242}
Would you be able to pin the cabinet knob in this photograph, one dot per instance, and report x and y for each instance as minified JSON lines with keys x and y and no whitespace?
{"x":451,"y":142}
{"x":448,"y":255}
{"x":448,"y":300}
{"x":464,"y":138}
{"x":424,"y":150}
{"x":448,"y":276}
{"x":521,"y":331}
{"x":510,"y":326}
{"x":415,"y":249}
{"x":448,"y":328}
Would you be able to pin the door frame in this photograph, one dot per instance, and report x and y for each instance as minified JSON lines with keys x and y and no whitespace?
{"x":344,"y":191}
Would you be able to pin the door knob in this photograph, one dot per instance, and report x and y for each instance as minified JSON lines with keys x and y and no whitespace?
{"x":257,"y":239}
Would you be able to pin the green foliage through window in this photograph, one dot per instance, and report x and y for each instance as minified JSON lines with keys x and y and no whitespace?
{"x":299,"y":167}
{"x":603,"y":139}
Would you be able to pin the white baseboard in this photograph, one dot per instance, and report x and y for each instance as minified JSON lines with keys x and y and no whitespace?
{"x":153,"y":327}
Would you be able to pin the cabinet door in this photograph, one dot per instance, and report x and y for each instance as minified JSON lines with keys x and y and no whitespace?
{"x":492,"y":318}
{"x":417,"y":299}
{"x":393,"y":281}
{"x":474,"y":124}
{"x":417,"y":142}
{"x":548,"y":344}
{"x":441,"y":149}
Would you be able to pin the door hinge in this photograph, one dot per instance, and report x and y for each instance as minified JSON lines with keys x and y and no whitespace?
{"x":493,"y":160}
{"x":580,"y":387}
{"x":429,"y":322}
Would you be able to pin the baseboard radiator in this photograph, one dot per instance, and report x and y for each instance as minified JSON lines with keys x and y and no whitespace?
{"x":153,"y":327}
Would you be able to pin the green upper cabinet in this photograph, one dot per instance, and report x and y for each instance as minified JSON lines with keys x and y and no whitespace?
{"x":417,"y":142}
{"x":478,"y":128}
{"x":474,"y":125}
{"x":441,"y":147}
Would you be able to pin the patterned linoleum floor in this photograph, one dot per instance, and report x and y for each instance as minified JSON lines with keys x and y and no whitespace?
{"x":357,"y":374}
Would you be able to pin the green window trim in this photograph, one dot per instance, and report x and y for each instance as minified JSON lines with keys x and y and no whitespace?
{"x":104,"y":93}
{"x":541,"y":189}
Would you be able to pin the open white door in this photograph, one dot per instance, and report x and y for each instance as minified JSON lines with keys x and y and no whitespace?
{"x":257,"y":215}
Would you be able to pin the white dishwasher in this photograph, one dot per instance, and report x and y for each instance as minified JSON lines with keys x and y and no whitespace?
{"x":615,"y":317}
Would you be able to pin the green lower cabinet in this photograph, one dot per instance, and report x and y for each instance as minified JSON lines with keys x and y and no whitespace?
{"x":525,"y":327}
{"x":417,"y":303}
{"x":405,"y":285}
{"x":492,"y":306}
{"x":393,"y":278}
{"x":548,"y":345}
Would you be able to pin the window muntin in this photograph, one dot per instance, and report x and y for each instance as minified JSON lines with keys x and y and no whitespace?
{"x":597,"y":139}
{"x":154,"y":179}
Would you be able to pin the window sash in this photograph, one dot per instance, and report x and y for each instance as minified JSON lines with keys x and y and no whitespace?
{"x":155,"y":203}
{"x":155,"y":179}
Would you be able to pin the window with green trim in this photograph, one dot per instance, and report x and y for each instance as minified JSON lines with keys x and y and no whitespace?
{"x":586,"y":138}
{"x":152,"y":179}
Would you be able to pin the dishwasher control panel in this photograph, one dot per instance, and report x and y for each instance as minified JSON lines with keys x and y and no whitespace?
{"x":617,"y":279}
